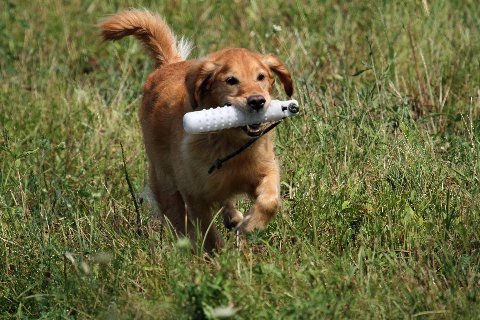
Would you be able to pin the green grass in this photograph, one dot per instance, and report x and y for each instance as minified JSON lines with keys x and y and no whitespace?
{"x":380,"y":173}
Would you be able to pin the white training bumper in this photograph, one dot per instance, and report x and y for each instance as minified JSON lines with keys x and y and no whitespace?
{"x":219,"y":118}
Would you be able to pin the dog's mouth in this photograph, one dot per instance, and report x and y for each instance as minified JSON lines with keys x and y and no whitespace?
{"x":254,"y":130}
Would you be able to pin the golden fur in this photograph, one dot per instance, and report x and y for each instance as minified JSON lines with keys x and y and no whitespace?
{"x":179,"y":162}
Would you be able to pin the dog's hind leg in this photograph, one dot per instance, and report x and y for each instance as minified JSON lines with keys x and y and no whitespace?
{"x":231,"y":216}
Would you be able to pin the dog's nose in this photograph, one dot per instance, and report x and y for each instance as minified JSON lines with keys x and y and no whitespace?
{"x":256,"y":102}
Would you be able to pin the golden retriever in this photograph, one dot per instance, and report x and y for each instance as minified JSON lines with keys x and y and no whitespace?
{"x":184,"y":190}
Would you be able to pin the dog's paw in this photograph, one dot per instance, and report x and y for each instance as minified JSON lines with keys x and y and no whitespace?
{"x":243,"y":225}
{"x":232,"y":223}
{"x":232,"y":219}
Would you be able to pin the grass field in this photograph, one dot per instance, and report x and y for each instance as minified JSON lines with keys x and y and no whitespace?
{"x":380,"y":173}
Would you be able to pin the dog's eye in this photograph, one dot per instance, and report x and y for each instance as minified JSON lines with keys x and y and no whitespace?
{"x":260,"y":77}
{"x":232,"y":81}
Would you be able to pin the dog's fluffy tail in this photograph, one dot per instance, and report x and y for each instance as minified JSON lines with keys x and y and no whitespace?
{"x":151,"y":30}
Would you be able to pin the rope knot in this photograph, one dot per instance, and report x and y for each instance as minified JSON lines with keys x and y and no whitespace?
{"x":216,"y":165}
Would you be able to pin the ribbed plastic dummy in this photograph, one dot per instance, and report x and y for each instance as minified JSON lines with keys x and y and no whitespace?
{"x":220,"y":118}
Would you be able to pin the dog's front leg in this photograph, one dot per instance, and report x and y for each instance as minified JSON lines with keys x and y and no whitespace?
{"x":266,"y":204}
{"x":202,"y":220}
{"x":231,"y":216}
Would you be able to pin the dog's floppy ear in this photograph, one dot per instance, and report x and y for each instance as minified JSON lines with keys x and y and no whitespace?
{"x":274,"y":63}
{"x":199,"y":80}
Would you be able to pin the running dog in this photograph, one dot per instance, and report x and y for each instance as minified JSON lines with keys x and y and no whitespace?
{"x":178,"y":162}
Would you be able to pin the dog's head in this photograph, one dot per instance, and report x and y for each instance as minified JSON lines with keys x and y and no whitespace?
{"x":238,"y":77}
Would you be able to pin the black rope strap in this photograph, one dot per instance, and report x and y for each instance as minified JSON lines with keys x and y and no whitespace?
{"x":219,"y":162}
